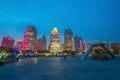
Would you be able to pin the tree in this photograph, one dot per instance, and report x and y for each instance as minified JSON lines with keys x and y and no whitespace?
{"x":5,"y":50}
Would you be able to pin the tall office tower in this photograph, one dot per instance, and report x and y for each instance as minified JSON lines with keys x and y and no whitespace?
{"x":41,"y":44}
{"x":7,"y":42}
{"x":55,"y":41}
{"x":19,"y":45}
{"x":29,"y":40}
{"x":78,"y":45}
{"x":68,"y":39}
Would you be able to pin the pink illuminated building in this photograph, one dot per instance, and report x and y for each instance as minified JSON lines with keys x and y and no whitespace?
{"x":29,"y":40}
{"x":7,"y":42}
{"x":86,"y":46}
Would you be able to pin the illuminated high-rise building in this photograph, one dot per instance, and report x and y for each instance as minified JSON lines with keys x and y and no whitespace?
{"x":41,"y":44}
{"x":55,"y":41}
{"x":78,"y":45}
{"x":7,"y":42}
{"x":19,"y":45}
{"x":29,"y":40}
{"x":68,"y":40}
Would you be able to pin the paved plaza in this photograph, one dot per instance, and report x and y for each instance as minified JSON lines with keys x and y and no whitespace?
{"x":58,"y":68}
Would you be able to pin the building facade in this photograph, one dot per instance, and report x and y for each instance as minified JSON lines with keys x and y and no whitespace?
{"x":41,"y":44}
{"x":19,"y":45}
{"x":86,"y":46}
{"x":8,"y":42}
{"x":29,"y":40}
{"x":68,"y":40}
{"x":55,"y":41}
{"x":78,"y":45}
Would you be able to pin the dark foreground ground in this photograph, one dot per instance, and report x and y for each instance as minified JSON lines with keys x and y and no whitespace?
{"x":58,"y":68}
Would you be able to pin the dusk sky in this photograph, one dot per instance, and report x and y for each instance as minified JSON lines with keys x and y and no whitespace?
{"x":93,"y":20}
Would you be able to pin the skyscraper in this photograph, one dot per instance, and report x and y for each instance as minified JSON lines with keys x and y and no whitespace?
{"x":29,"y":38}
{"x":41,"y":44}
{"x":68,"y":39}
{"x":78,"y":45}
{"x":55,"y":41}
{"x":7,"y":42}
{"x":19,"y":45}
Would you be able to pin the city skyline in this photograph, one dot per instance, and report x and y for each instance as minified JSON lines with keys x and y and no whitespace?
{"x":59,"y":39}
{"x":90,"y":19}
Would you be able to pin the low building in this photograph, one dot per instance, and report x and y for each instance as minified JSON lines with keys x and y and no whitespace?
{"x":7,"y":42}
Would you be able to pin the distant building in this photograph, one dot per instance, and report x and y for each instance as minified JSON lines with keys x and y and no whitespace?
{"x":29,"y":40}
{"x":19,"y":45}
{"x":68,"y":39}
{"x":81,"y":45}
{"x":86,"y":46}
{"x":115,"y":46}
{"x":105,"y":44}
{"x":41,"y":44}
{"x":78,"y":45}
{"x":55,"y":41}
{"x":62,"y":47}
{"x":7,"y":42}
{"x":49,"y":48}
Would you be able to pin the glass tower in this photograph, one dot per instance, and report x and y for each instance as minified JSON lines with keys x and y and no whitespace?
{"x":68,"y":40}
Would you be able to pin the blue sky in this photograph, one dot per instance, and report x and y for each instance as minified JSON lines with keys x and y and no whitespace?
{"x":93,"y":20}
